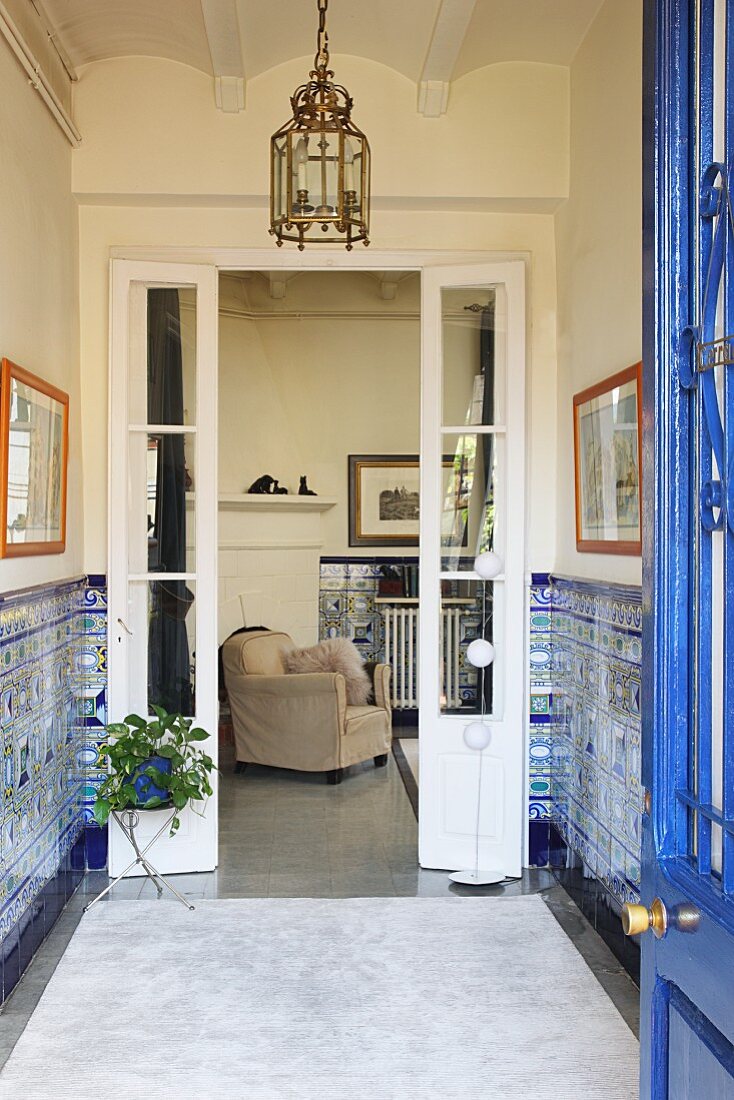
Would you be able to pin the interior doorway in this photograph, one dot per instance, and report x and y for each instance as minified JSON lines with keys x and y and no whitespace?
{"x":453,"y":493}
{"x":319,"y":439}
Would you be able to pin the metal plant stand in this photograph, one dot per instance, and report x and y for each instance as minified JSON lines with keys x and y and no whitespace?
{"x":128,"y":820}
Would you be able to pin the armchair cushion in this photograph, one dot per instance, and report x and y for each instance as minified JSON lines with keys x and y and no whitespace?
{"x":334,"y":655}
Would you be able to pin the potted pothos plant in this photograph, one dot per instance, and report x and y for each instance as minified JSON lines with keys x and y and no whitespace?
{"x":154,"y":763}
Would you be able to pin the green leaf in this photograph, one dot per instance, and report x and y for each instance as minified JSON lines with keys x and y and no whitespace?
{"x":135,"y":720}
{"x":179,"y":799}
{"x":160,"y":778}
{"x":197,"y":735}
{"x":160,"y":712}
{"x":101,"y":811}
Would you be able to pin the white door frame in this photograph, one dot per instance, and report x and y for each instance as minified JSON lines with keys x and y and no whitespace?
{"x":328,"y":258}
{"x":449,"y":771}
{"x":129,"y":281}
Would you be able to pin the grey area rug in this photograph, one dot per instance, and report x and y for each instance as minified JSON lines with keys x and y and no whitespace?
{"x":367,"y":999}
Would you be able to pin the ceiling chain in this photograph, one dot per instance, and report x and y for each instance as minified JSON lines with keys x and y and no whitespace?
{"x":321,"y":61}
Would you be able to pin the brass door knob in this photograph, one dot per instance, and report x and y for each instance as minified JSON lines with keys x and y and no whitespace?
{"x":638,"y":918}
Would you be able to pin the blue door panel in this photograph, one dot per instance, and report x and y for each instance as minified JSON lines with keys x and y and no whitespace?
{"x":687,"y":976}
{"x":698,"y":1055}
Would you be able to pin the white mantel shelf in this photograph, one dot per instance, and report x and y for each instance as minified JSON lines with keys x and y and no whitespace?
{"x":270,"y":502}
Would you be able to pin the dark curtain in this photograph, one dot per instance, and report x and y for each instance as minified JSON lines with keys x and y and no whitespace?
{"x":485,"y":540}
{"x":169,"y":682}
{"x":486,"y":366}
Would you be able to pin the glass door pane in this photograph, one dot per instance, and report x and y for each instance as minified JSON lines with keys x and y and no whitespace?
{"x":163,"y":517}
{"x":472,"y":636}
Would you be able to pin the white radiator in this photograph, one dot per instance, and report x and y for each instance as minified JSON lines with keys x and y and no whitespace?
{"x":401,"y":653}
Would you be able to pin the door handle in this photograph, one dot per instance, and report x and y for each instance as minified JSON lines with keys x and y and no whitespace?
{"x":124,"y":626}
{"x":638,"y":918}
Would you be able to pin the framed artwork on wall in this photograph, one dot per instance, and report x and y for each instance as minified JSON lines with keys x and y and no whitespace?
{"x":34,"y":447}
{"x":384,"y":501}
{"x":608,"y":464}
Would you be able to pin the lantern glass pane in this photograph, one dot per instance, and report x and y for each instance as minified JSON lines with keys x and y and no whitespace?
{"x":323,"y":173}
{"x":364,"y":196}
{"x":279,"y":178}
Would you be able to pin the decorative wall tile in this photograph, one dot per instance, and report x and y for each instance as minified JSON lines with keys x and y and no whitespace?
{"x":44,"y":660}
{"x":93,"y":696}
{"x":347,"y":609}
{"x":540,"y":683}
{"x":595,"y":753}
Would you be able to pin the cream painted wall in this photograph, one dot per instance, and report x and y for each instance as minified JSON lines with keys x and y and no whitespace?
{"x":599,"y":248}
{"x":150,"y":128}
{"x":38,"y":284}
{"x":298,"y":395}
{"x":102,"y":227}
{"x":160,"y":166}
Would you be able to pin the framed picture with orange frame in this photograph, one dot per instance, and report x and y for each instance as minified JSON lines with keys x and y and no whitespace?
{"x":34,"y":446}
{"x":608,"y":464}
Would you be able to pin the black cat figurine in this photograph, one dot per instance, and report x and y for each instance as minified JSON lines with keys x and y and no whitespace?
{"x":303,"y":489}
{"x":263,"y":484}
{"x":279,"y":490}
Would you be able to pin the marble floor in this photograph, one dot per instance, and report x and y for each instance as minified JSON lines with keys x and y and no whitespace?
{"x":289,"y":834}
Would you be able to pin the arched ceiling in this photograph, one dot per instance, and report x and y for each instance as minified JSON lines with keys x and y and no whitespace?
{"x":430,"y":41}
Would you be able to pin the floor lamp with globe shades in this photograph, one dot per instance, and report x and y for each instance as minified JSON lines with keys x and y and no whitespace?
{"x":477,"y":734}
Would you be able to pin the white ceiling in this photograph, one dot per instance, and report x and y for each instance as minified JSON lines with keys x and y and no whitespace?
{"x":397,"y":33}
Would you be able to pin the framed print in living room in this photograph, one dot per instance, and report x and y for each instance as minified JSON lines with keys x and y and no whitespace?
{"x":384,"y":500}
{"x":33,"y":459}
{"x":608,"y":464}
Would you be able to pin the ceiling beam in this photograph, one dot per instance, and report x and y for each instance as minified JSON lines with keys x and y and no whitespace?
{"x":447,"y":39}
{"x":225,"y":47}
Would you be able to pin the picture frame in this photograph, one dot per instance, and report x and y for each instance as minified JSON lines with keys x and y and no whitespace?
{"x":34,"y":450}
{"x":384,"y":500}
{"x":608,"y":464}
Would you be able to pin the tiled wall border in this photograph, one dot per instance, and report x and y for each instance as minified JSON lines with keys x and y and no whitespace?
{"x":41,"y":820}
{"x":93,"y":706}
{"x":595,"y":784}
{"x":347,"y":609}
{"x":540,"y":699}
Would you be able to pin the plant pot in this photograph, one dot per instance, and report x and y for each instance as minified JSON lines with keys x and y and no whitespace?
{"x":144,"y":786}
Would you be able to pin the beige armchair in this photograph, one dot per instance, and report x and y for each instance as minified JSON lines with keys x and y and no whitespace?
{"x":300,"y":721}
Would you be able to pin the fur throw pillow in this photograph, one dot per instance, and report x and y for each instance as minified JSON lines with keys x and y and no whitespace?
{"x":334,"y":655}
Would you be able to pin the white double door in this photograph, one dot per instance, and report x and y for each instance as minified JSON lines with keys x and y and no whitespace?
{"x":163,"y":537}
{"x":162,"y":583}
{"x":472,"y":804}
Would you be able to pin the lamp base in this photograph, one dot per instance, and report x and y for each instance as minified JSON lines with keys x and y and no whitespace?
{"x":486,"y":876}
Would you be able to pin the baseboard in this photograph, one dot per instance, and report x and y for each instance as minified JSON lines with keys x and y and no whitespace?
{"x":599,"y":906}
{"x":26,"y":936}
{"x":538,"y":843}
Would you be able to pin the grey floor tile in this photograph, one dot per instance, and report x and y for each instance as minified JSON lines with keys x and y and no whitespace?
{"x":421,"y":884}
{"x":300,"y":886}
{"x":237,"y":884}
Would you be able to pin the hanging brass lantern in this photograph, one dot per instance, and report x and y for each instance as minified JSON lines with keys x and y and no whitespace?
{"x":320,"y":162}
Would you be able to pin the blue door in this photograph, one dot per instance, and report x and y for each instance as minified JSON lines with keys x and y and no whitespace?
{"x":687,"y":921}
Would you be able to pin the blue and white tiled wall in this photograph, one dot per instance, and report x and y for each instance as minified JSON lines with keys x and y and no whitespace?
{"x":540,"y":698}
{"x":93,"y":707}
{"x":595,"y":777}
{"x":42,"y":668}
{"x":347,"y":609}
